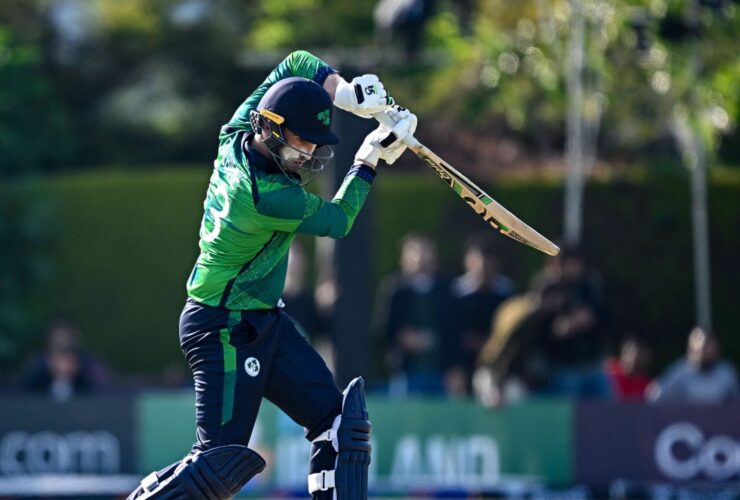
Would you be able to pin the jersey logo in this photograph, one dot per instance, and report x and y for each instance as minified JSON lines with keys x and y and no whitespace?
{"x":252,"y":367}
{"x":324,"y":117}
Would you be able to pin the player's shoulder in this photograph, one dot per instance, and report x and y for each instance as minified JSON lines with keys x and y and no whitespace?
{"x":231,"y":156}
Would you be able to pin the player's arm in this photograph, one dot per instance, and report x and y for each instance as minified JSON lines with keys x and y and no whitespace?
{"x":298,"y":63}
{"x":364,"y":96}
{"x":335,"y":218}
{"x":294,"y":209}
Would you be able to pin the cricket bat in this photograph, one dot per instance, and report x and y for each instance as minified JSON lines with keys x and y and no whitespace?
{"x":482,"y":203}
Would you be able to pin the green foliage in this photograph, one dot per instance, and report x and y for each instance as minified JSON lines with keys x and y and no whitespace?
{"x":150,"y":81}
{"x":33,"y":131}
{"x":127,"y":241}
{"x":293,"y":24}
{"x":24,"y":234}
{"x":511,"y":73}
{"x":143,"y":81}
{"x":32,"y":136}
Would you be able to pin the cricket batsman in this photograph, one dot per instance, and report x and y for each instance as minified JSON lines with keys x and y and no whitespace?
{"x":237,"y":340}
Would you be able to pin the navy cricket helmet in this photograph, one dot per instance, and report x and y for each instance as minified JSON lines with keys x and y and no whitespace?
{"x":303,"y":106}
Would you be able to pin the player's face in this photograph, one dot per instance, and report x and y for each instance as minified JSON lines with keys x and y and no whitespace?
{"x":298,"y":151}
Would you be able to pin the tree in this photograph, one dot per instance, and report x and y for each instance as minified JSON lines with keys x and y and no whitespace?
{"x":32,"y":136}
{"x":510,"y":73}
{"x":33,"y":126}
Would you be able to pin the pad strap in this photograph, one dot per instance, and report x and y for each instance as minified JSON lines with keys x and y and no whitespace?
{"x":325,"y":436}
{"x":320,"y":481}
{"x":150,"y":482}
{"x":331,"y":434}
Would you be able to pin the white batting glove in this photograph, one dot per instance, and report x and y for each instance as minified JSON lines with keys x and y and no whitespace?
{"x":364,"y":96}
{"x":385,"y":143}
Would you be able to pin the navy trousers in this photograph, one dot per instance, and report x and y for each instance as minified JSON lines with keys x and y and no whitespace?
{"x":239,"y":357}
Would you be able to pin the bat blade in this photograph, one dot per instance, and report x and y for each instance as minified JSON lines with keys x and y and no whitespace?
{"x":484,"y":205}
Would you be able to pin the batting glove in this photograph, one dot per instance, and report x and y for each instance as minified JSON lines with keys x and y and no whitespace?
{"x":364,"y":96}
{"x":386,"y":143}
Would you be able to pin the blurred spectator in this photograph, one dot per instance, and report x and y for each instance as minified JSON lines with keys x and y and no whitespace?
{"x":64,"y":370}
{"x":413,"y":315}
{"x":628,"y":374}
{"x":478,"y":293}
{"x":701,"y":376}
{"x":512,"y":361}
{"x":573,"y":340}
{"x":403,"y":19}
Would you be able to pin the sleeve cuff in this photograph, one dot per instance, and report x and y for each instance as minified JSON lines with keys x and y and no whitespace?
{"x":323,"y":73}
{"x":363,"y":172}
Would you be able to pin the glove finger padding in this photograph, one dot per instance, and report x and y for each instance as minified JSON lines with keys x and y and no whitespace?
{"x":364,"y":96}
{"x":388,"y":143}
{"x":369,"y":151}
{"x":392,"y":144}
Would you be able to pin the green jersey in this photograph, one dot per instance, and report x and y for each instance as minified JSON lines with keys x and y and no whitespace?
{"x":253,"y":210}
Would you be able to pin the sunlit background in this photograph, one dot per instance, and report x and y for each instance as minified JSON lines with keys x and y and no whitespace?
{"x":609,"y":126}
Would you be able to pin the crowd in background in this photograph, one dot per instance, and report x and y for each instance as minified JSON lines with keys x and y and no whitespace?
{"x":481,"y":335}
{"x":474,"y":335}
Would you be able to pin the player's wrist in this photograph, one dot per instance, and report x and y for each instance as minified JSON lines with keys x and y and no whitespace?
{"x":363,"y":171}
{"x":364,"y":163}
{"x":331,"y":83}
{"x":367,"y":154}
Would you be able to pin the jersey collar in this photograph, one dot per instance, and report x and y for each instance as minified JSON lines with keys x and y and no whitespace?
{"x":257,"y":159}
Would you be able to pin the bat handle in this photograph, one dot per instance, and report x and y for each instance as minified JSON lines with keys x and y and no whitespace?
{"x":386,"y":120}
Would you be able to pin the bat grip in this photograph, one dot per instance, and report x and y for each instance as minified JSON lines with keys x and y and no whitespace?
{"x":386,"y":120}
